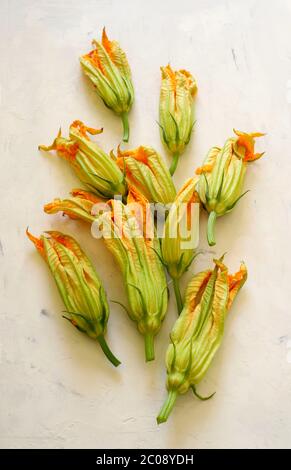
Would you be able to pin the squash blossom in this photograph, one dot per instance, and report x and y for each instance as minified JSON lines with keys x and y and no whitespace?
{"x":129,"y":236}
{"x":78,"y":206}
{"x":222,"y":176}
{"x":178,"y":89}
{"x":108,"y":69}
{"x":198,"y":332}
{"x":79,"y":286}
{"x":93,"y":167}
{"x":181,"y":234}
{"x":145,"y":169}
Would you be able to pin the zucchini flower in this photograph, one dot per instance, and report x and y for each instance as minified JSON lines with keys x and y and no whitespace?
{"x":222,"y":176}
{"x":181,"y":234}
{"x":78,"y":284}
{"x":78,"y":206}
{"x":178,"y":89}
{"x":198,"y":332}
{"x":129,"y":235}
{"x":93,"y":167}
{"x":145,"y":169}
{"x":108,"y":69}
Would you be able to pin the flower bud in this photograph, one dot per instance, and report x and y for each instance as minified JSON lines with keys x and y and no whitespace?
{"x":145,"y":169}
{"x":93,"y":167}
{"x":79,"y":286}
{"x":129,"y":236}
{"x":108,"y":69}
{"x":178,"y":89}
{"x":198,"y":332}
{"x":181,"y":234}
{"x":222,"y":176}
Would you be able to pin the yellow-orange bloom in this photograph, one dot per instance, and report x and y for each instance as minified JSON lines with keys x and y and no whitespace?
{"x":92,"y":165}
{"x":108,"y":69}
{"x":79,"y":285}
{"x":181,"y":234}
{"x":145,"y":169}
{"x":198,"y":332}
{"x":222,"y":176}
{"x":137,"y":253}
{"x":178,"y":89}
{"x":79,"y":206}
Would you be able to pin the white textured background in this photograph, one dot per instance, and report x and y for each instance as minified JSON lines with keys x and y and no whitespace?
{"x":57,"y":389}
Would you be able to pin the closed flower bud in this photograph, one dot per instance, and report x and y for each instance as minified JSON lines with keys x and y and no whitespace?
{"x":198,"y":332}
{"x":145,"y":169}
{"x":181,"y":234}
{"x":108,"y":69}
{"x":222,"y":176}
{"x":178,"y":89}
{"x":92,"y":165}
{"x":79,"y":286}
{"x":129,"y":236}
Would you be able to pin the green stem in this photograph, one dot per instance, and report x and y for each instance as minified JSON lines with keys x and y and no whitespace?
{"x":108,"y":353}
{"x":210,"y":228}
{"x":149,"y":347}
{"x":178,"y":296}
{"x":124,"y":117}
{"x":174,"y":163}
{"x":167,"y":406}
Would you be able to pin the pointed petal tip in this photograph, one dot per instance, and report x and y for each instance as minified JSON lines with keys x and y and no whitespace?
{"x":104,"y":34}
{"x":38,"y":242}
{"x":30,"y":236}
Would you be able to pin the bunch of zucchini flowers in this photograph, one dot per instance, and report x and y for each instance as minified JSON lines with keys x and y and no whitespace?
{"x":124,"y":197}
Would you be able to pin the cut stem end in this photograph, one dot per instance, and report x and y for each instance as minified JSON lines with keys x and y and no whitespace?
{"x":167,"y":406}
{"x":108,"y":353}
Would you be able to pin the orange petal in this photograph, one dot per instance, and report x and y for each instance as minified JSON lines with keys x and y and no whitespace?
{"x":53,"y":146}
{"x":235,"y":282}
{"x":65,"y":147}
{"x":86,"y":195}
{"x":204,"y":169}
{"x":67,"y":150}
{"x":168,"y":72}
{"x":64,"y":240}
{"x":106,"y":43}
{"x":140,"y":154}
{"x":187,"y":183}
{"x":52,"y":207}
{"x":38,"y":242}
{"x":191,"y":83}
{"x":94,"y":58}
{"x":83,"y":129}
{"x":248,"y":142}
{"x":194,"y":200}
{"x":255,"y":156}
